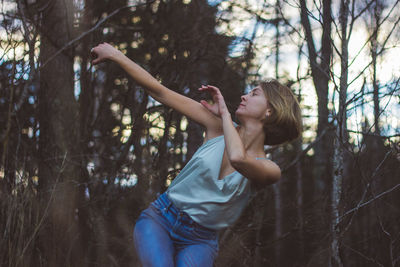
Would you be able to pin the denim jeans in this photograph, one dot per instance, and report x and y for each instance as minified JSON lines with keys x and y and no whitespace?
{"x":165,"y":236}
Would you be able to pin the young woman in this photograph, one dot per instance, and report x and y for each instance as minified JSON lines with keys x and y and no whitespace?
{"x":180,"y":228}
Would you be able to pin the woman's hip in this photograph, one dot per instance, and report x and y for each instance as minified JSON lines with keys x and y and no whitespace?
{"x":181,"y":227}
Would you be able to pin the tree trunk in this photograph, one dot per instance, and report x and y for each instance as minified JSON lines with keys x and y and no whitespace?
{"x":260,"y":208}
{"x":320,"y":73}
{"x":278,"y":222}
{"x":340,"y":139}
{"x":376,"y":20}
{"x":300,"y":204}
{"x":59,"y":166}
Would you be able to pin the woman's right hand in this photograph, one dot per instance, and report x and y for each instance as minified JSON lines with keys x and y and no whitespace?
{"x":219,"y":107}
{"x":103,"y":52}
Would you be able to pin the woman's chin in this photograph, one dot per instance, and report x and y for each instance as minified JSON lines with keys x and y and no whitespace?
{"x":239,"y":111}
{"x":238,"y":114}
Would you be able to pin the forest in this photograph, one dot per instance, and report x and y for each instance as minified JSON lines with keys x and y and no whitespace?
{"x":84,"y":149}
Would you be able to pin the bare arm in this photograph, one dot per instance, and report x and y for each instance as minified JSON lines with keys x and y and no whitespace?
{"x":185,"y":105}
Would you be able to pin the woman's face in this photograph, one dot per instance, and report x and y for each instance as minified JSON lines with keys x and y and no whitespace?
{"x":254,"y":105}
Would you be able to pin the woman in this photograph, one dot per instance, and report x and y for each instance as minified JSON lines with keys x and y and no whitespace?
{"x":180,"y":228}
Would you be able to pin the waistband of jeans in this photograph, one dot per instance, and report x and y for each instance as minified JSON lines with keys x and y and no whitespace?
{"x":168,"y":205}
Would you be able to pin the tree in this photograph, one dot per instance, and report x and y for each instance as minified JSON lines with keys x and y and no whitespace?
{"x":320,"y":64}
{"x":59,"y":151}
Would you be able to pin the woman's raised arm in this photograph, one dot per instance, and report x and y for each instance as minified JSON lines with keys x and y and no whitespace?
{"x":185,"y":105}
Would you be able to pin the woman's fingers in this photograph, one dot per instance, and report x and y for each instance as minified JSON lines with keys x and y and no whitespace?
{"x":213,"y":108}
{"x":101,"y":52}
{"x":95,"y":55}
{"x":210,"y":88}
{"x":203,"y":87}
{"x":96,"y":61}
{"x":204,"y":103}
{"x":216,"y":94}
{"x":214,"y":91}
{"x":213,"y":87}
{"x":217,"y":97}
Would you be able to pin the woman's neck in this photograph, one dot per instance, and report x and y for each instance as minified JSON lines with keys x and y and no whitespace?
{"x":252,"y":136}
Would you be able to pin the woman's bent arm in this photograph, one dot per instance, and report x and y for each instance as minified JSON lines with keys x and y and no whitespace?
{"x":185,"y":105}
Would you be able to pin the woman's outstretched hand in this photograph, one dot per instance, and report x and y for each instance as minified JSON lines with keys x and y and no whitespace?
{"x":219,"y":107}
{"x":103,"y":52}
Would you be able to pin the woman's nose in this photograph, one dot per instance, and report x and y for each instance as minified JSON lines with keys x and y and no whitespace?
{"x":243,"y":97}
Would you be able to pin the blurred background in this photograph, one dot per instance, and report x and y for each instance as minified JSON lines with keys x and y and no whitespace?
{"x":84,"y":149}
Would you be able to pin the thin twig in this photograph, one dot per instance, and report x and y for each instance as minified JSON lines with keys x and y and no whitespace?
{"x":369,"y":201}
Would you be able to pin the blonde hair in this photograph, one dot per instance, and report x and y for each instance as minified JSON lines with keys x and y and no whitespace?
{"x":285,"y":122}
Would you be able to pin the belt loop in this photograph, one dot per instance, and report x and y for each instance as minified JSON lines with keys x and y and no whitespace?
{"x":167,"y":208}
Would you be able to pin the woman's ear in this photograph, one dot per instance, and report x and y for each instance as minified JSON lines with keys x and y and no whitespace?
{"x":268,"y":112}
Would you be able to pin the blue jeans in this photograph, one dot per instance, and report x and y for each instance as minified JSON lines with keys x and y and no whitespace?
{"x":165,"y":236}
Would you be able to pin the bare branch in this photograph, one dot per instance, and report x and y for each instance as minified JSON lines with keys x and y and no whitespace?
{"x":360,"y":205}
{"x":91,"y":30}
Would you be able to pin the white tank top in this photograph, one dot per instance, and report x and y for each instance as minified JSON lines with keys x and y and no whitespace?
{"x":213,"y":203}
